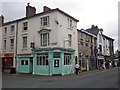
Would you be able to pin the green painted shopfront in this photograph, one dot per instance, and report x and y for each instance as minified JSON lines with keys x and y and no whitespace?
{"x":47,"y":61}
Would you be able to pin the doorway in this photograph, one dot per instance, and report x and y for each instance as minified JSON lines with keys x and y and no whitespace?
{"x":31,"y":64}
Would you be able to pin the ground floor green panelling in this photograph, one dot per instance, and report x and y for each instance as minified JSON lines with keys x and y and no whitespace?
{"x":48,"y":62}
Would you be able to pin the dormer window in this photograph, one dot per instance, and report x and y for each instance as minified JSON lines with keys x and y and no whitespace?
{"x":25,"y":25}
{"x":45,"y":21}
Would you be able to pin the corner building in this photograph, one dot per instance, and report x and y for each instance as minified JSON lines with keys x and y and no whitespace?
{"x":46,"y":43}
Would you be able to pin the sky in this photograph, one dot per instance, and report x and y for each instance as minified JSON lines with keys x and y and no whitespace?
{"x":103,"y":13}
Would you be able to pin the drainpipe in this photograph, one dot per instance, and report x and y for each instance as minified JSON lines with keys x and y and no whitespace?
{"x":16,"y":42}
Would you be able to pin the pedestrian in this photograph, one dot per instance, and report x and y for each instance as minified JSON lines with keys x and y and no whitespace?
{"x":77,"y":67}
{"x":110,"y":64}
{"x":115,"y":64}
{"x":103,"y":65}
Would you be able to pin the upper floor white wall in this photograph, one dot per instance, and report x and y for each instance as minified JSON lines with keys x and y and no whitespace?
{"x":58,"y":32}
{"x":0,"y":40}
{"x":64,"y":30}
{"x":8,"y":36}
{"x":104,"y":42}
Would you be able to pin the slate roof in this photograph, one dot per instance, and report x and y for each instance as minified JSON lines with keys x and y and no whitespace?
{"x":93,"y":30}
{"x":42,"y":13}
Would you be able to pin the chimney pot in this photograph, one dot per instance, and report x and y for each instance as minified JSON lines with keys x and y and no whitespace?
{"x":28,"y":4}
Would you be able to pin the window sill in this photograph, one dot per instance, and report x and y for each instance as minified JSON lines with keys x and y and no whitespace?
{"x":4,"y":50}
{"x":44,"y":26}
{"x":68,"y":65}
{"x":70,"y":28}
{"x":24,"y":30}
{"x":11,"y":50}
{"x":24,"y":49}
{"x":12,"y":33}
{"x":5,"y":35}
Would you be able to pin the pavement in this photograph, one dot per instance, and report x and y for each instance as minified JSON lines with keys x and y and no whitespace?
{"x":60,"y":77}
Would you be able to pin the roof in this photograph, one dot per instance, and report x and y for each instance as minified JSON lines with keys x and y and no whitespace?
{"x":108,"y":37}
{"x":94,"y":31}
{"x":84,"y":31}
{"x":42,"y":13}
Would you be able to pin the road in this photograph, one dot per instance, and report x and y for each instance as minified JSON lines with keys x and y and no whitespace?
{"x":99,"y":79}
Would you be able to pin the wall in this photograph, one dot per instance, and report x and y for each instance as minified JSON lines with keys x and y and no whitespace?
{"x":7,"y":37}
{"x":0,"y":40}
{"x":64,"y":30}
{"x":33,"y":35}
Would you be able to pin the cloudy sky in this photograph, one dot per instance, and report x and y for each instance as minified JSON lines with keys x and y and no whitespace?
{"x":103,"y":13}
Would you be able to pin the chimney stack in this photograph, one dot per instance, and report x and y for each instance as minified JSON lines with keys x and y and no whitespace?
{"x":45,"y":9}
{"x":30,"y":11}
{"x":1,"y":20}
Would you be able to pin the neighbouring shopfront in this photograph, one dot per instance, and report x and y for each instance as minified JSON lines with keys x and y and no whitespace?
{"x":48,"y":61}
{"x":100,"y":61}
{"x":7,"y":61}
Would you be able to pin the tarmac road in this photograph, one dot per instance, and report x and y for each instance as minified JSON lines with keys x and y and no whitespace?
{"x":95,"y":79}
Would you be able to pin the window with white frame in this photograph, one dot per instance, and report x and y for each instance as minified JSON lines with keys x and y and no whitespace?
{"x":67,"y":59}
{"x":42,"y":59}
{"x":5,"y":30}
{"x":12,"y":29}
{"x":25,"y":42}
{"x":24,"y":62}
{"x":70,"y":39}
{"x":69,"y":23}
{"x":45,"y":21}
{"x":25,"y":25}
{"x":12,"y":44}
{"x":5,"y":44}
{"x":44,"y":37}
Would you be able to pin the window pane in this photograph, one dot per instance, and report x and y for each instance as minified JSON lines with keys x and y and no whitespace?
{"x":38,"y":60}
{"x":22,"y":62}
{"x":45,"y":21}
{"x":5,"y":30}
{"x":44,"y":39}
{"x":25,"y":25}
{"x":70,"y":39}
{"x":26,"y":62}
{"x":43,"y":60}
{"x":12,"y":43}
{"x":24,"y":42}
{"x":4,"y":44}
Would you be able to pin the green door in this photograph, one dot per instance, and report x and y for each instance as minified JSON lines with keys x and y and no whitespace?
{"x":56,"y":66}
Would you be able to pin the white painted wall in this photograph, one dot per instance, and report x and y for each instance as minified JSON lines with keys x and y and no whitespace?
{"x":0,"y":40}
{"x":59,"y":32}
{"x":7,"y":37}
{"x":63,"y":31}
{"x":33,"y":35}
